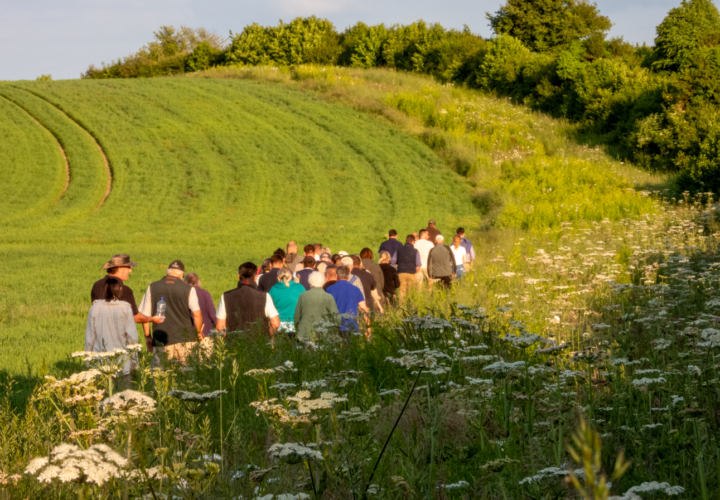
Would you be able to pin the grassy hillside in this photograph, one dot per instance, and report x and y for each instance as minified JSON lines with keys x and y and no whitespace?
{"x":213,"y":172}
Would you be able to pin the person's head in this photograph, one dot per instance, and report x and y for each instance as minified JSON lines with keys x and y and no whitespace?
{"x":439,"y":240}
{"x":366,"y":253}
{"x":309,"y":262}
{"x":456,"y":240}
{"x":276,"y":261}
{"x":309,"y":250}
{"x":336,"y":259}
{"x":316,"y":279}
{"x":325,"y":257}
{"x":330,"y":273}
{"x":410,"y":238}
{"x":177,"y":269}
{"x":347,"y":262}
{"x":431,"y":223}
{"x":392,"y":234}
{"x":247,"y":271}
{"x":460,"y":231}
{"x":415,"y":235}
{"x":113,"y":289}
{"x":291,"y":247}
{"x":357,"y":261}
{"x":384,"y":257}
{"x":265,"y":266}
{"x":192,"y":279}
{"x":424,"y":235}
{"x":120,"y":266}
{"x":318,"y":248}
{"x":280,"y":252}
{"x":343,"y":273}
{"x":285,"y":276}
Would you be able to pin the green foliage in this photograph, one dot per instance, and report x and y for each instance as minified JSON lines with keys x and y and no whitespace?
{"x":301,"y":41}
{"x":686,"y":28}
{"x":201,"y":58}
{"x":546,"y":24}
{"x":44,"y":78}
{"x":168,"y":54}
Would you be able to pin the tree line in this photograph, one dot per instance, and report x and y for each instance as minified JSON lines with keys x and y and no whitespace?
{"x":658,"y":106}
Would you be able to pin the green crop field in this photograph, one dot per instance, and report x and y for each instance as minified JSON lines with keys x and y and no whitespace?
{"x":214,"y":172}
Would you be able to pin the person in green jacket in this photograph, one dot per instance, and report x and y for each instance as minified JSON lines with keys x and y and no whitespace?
{"x":314,"y":305}
{"x":285,"y":294}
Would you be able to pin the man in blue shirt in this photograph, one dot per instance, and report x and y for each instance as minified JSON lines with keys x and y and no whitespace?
{"x":349,"y":302}
{"x":467,"y":245}
{"x":391,"y":246}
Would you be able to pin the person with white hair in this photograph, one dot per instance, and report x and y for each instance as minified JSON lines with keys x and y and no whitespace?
{"x":441,"y":262}
{"x":285,"y":294}
{"x":313,"y":306}
{"x":348,"y":262}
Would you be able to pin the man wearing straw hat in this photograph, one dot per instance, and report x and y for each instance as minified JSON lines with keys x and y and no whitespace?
{"x":120,"y":267}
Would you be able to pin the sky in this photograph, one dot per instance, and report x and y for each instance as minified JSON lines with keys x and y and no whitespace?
{"x":63,"y":38}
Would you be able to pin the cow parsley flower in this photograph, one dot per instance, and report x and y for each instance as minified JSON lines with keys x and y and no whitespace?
{"x":293,"y":453}
{"x":98,"y":464}
{"x":130,"y":403}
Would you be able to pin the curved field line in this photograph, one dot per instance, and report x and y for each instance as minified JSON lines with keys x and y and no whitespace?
{"x":57,"y":141}
{"x":108,"y":167}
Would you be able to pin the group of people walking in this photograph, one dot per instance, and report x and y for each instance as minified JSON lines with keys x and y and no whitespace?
{"x":289,"y":293}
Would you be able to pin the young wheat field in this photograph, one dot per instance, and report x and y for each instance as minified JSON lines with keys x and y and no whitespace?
{"x":577,"y":359}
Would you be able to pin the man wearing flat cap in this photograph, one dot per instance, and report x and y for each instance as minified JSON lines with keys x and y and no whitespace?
{"x":120,"y":267}
{"x":183,"y":325}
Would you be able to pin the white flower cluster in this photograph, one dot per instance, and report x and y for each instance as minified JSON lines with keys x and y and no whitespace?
{"x":357,"y":415}
{"x":129,"y":402}
{"x":423,"y":358}
{"x":76,"y":379}
{"x":293,"y":453}
{"x":548,"y":473}
{"x":195,"y":397}
{"x":525,"y":340}
{"x":652,"y":486}
{"x":644,"y":382}
{"x":503,"y":367}
{"x":306,"y":405}
{"x":556,"y":349}
{"x":456,"y":486}
{"x":710,"y":338}
{"x":478,"y":381}
{"x":98,"y":464}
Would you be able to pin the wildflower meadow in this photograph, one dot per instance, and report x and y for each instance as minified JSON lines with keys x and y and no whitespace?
{"x":581,"y":363}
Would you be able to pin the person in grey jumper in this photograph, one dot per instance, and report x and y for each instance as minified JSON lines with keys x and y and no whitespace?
{"x":441,"y":262}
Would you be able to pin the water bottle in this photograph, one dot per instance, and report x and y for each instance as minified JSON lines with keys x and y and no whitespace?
{"x":161,"y":306}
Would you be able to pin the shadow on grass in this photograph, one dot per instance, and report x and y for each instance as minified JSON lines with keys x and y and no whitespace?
{"x":18,"y":387}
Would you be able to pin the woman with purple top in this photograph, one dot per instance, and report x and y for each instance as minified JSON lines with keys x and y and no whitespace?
{"x":207,"y":307}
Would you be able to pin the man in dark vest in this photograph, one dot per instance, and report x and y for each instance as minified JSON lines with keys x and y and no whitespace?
{"x":183,"y":326}
{"x":408,"y":265}
{"x":245,"y":306}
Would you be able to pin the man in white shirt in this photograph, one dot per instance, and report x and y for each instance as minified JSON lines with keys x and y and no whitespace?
{"x":244,"y":307}
{"x":183,"y":324}
{"x":423,"y":246}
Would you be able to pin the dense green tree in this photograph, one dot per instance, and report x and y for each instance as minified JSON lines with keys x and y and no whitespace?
{"x":686,"y":28}
{"x":545,"y":24}
{"x":285,"y":44}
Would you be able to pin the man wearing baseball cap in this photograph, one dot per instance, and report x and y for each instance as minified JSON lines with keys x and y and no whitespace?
{"x":183,"y":326}
{"x":120,"y":267}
